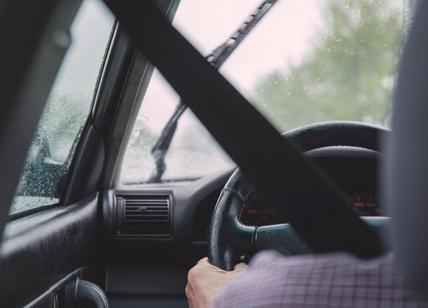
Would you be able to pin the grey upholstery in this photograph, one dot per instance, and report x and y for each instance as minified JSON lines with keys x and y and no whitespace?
{"x":405,"y":176}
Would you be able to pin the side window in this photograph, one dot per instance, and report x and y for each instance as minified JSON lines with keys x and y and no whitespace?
{"x":66,"y":110}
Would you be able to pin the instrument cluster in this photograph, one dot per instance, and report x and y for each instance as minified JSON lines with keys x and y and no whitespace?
{"x":256,"y":215}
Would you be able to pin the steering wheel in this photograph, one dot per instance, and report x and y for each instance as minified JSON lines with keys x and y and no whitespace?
{"x":230,"y":241}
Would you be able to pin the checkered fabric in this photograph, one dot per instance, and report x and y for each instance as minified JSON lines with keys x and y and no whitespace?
{"x":331,"y":280}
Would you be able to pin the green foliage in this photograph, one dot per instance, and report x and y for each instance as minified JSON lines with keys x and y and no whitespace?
{"x":348,"y":75}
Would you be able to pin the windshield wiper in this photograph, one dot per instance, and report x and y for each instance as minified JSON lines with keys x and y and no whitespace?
{"x":216,"y":58}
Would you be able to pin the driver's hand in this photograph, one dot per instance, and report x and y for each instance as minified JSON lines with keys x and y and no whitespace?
{"x":205,"y":282}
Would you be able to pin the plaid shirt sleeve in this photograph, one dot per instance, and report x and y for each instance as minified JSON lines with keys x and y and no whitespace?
{"x":330,"y":280}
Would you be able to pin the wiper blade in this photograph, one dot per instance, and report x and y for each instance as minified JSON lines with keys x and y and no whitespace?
{"x":161,"y":147}
{"x":216,"y":58}
{"x":220,"y":54}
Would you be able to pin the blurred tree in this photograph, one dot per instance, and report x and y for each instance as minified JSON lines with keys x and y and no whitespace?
{"x":349,"y":73}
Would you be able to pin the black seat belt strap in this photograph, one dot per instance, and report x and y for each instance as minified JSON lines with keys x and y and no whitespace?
{"x":271,"y":163}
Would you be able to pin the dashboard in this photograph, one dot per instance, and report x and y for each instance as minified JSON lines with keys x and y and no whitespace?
{"x":148,"y":227}
{"x":182,"y":213}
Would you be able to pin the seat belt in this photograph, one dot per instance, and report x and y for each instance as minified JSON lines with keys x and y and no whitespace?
{"x":276,"y":168}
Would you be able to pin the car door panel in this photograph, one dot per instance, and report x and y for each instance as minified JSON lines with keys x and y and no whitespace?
{"x":41,"y":249}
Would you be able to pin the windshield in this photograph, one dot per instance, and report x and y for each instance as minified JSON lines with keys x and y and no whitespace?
{"x":336,"y":61}
{"x":307,"y":61}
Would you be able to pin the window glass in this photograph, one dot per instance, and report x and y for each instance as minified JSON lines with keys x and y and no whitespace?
{"x":66,"y":110}
{"x":313,"y":61}
{"x":193,"y":152}
{"x":307,"y":61}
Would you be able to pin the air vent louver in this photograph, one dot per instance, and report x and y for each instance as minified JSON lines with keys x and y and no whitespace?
{"x":144,"y":215}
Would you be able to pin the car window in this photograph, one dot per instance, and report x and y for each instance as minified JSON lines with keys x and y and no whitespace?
{"x":307,"y":61}
{"x":66,"y":110}
{"x":193,"y":152}
{"x":339,"y":64}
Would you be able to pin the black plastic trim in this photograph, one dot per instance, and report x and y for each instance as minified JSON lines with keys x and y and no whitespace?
{"x":86,"y":167}
{"x":118,"y":230}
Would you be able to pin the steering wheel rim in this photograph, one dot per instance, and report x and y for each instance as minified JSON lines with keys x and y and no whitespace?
{"x":230,"y":240}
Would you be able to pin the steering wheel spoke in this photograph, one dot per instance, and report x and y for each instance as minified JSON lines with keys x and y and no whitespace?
{"x":280,"y":237}
{"x":284,"y":239}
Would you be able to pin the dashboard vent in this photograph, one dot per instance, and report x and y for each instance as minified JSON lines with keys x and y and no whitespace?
{"x":144,"y":215}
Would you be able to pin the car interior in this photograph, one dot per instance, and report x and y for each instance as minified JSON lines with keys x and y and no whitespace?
{"x":132,"y":146}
